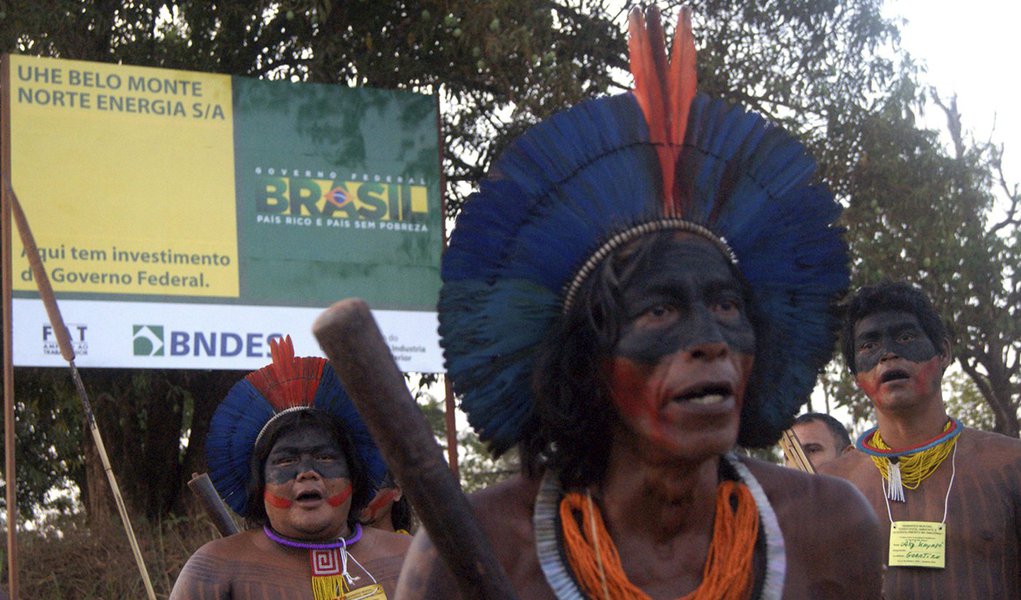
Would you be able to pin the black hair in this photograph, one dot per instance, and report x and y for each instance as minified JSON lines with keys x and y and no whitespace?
{"x":571,"y":427}
{"x":841,"y":438}
{"x":362,"y":488}
{"x":401,"y":515}
{"x":891,"y":296}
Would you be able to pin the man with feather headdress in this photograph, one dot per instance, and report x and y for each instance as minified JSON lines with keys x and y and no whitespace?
{"x":641,"y":283}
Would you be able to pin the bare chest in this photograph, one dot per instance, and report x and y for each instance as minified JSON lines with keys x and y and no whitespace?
{"x":292,"y":578}
{"x":978,"y":504}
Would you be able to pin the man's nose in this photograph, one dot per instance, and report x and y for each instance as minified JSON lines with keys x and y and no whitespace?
{"x":307,"y":468}
{"x":706,"y":341}
{"x":889,"y":352}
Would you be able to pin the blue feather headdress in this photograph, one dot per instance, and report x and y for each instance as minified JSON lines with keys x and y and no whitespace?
{"x":590,"y":179}
{"x":286,"y":384}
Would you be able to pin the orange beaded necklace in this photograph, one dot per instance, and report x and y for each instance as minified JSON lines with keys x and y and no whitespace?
{"x":727,"y":574}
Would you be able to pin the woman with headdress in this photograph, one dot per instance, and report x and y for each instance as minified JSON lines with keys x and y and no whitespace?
{"x":288,"y":452}
{"x":640,"y":284}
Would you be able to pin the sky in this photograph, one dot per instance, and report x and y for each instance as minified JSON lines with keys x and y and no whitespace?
{"x":972,"y":49}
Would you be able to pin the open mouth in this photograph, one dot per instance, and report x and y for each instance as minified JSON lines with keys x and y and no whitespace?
{"x":894,"y":375}
{"x":309,"y":495}
{"x":712,"y":393}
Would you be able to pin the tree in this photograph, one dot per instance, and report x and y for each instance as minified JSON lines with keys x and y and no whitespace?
{"x":931,"y":217}
{"x":497,"y":66}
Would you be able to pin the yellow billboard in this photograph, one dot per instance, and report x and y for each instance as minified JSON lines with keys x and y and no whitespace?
{"x":126,"y":215}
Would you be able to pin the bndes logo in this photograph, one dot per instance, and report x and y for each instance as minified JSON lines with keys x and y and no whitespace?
{"x":152,"y":340}
{"x":147,"y":340}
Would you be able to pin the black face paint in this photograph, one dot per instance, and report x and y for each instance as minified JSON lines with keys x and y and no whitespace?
{"x":890,"y":332}
{"x":689,"y":296}
{"x":302,"y":450}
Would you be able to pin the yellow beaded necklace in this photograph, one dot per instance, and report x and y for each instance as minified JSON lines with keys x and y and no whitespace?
{"x":909,"y":467}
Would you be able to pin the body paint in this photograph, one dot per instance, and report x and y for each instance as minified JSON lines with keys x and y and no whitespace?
{"x":628,"y":377}
{"x":307,"y":449}
{"x":690,"y":296}
{"x":338,"y":499}
{"x":684,"y":331}
{"x":276,"y":501}
{"x":928,"y":377}
{"x":383,"y":498}
{"x":924,"y":380}
{"x":884,"y":333}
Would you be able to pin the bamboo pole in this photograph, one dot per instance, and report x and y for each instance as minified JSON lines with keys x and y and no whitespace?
{"x":10,"y":468}
{"x":64,"y":341}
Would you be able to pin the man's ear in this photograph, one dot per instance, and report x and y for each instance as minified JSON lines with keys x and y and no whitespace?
{"x":945,"y":355}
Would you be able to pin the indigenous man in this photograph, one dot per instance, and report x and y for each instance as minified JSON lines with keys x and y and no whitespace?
{"x":948,"y":497}
{"x":822,"y":438}
{"x":593,"y":315}
{"x":287,"y":450}
{"x":389,"y":509}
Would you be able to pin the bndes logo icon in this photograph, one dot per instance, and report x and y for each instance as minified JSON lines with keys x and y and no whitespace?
{"x":147,"y":340}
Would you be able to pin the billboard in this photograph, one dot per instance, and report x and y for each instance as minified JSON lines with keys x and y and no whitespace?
{"x":185,"y":218}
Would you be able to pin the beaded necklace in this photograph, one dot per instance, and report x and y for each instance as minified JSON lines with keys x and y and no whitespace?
{"x":328,"y":560}
{"x":563,"y":579}
{"x":908,"y":467}
{"x":727,"y":574}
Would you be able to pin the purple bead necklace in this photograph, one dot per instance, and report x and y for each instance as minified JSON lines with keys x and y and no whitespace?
{"x":339,"y":543}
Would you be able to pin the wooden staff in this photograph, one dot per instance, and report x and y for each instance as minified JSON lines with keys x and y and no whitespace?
{"x":212,"y":504}
{"x":351,"y":340}
{"x":795,"y":452}
{"x":42,"y":280}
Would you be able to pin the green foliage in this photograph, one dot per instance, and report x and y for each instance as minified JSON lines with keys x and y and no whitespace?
{"x":921,"y":213}
{"x":48,"y":424}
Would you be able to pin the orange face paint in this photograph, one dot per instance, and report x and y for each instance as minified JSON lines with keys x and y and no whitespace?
{"x":382,"y":499}
{"x":276,"y":501}
{"x":340,"y":498}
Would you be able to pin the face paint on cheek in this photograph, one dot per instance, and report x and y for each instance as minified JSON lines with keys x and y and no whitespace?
{"x":276,"y":501}
{"x":338,"y":499}
{"x":381,"y":500}
{"x":928,"y":377}
{"x":868,"y":383}
{"x":627,"y":387}
{"x":636,"y":399}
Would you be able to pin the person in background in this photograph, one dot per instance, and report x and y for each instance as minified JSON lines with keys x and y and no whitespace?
{"x":822,"y":438}
{"x":948,"y":496}
{"x":288,"y":452}
{"x":389,"y":510}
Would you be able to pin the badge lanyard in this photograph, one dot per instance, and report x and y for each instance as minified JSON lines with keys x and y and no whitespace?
{"x":920,"y":543}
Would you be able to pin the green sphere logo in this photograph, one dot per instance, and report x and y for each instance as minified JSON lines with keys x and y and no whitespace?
{"x":148,"y":340}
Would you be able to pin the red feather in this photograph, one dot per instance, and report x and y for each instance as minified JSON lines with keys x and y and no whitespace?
{"x":287,"y":381}
{"x":664,"y":91}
